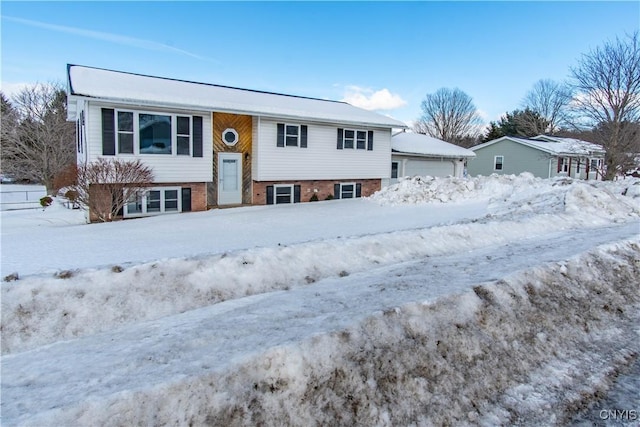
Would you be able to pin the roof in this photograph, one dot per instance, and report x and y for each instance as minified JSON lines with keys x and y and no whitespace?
{"x":418,"y":144}
{"x":551,"y":144}
{"x":129,"y":88}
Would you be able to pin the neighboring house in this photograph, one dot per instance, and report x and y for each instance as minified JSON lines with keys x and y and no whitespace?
{"x":217,"y":146}
{"x":543,"y":156}
{"x":416,"y":154}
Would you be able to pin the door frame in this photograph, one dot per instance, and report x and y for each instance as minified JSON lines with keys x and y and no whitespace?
{"x":226,"y":198}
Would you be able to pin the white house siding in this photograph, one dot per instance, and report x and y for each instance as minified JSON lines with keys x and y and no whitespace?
{"x":321,"y":160}
{"x":167,"y":168}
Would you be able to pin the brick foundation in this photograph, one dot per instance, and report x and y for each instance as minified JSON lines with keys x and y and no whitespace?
{"x":322,"y":188}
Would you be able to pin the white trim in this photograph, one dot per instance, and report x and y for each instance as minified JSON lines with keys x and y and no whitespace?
{"x":143,"y":201}
{"x":298,"y":135}
{"x":495,"y":163}
{"x":136,"y":132}
{"x":342,"y":184}
{"x":275,"y":192}
{"x":235,"y":197}
{"x":235,"y":139}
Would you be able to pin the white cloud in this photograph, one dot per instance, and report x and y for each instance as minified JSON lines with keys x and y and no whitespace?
{"x":369,"y":99}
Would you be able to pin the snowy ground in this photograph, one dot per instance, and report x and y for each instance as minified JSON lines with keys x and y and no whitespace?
{"x":493,"y":300}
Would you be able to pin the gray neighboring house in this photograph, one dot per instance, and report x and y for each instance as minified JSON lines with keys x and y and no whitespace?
{"x":414,"y":154}
{"x":543,"y":156}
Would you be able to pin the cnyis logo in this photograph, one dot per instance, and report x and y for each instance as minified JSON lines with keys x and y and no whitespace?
{"x":619,"y":414}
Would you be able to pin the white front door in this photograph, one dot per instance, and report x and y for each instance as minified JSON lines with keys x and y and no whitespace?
{"x":229,"y":178}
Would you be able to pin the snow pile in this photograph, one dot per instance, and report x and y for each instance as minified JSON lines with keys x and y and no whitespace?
{"x":514,"y":190}
{"x":39,"y":310}
{"x":524,"y":350}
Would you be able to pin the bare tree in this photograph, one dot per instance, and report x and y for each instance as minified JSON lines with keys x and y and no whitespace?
{"x":550,"y":100}
{"x":106,"y":185}
{"x":42,"y":145}
{"x":450,"y":115}
{"x":607,"y":84}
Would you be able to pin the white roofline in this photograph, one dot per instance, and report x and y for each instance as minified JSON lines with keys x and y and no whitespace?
{"x":273,"y":104}
{"x":528,"y":144}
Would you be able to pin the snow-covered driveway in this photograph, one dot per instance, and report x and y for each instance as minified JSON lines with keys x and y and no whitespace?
{"x":108,"y":367}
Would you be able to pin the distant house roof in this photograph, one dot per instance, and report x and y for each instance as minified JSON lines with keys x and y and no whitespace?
{"x":129,"y":88}
{"x":418,"y":144}
{"x":552,"y":144}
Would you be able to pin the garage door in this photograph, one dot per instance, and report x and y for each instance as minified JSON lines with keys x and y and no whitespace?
{"x":429,"y":167}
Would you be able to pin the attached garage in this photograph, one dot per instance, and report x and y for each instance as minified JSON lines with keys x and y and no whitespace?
{"x":414,"y":154}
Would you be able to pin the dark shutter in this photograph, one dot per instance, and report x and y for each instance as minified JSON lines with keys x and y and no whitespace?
{"x":370,"y":141}
{"x":340,"y":139}
{"x":336,"y":191}
{"x":197,"y":136}
{"x":280,"y":136}
{"x":358,"y":190}
{"x":108,"y":132}
{"x":296,"y":194}
{"x":269,"y":194}
{"x":186,"y":199}
{"x":303,"y":136}
{"x":559,"y":164}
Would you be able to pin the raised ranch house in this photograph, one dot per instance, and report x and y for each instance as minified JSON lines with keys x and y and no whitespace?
{"x":414,"y":154}
{"x":543,"y":156}
{"x":217,"y":146}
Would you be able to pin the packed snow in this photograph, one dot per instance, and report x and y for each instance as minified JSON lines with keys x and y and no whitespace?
{"x":480,"y":301}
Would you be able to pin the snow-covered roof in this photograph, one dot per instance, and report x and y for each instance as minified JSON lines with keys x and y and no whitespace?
{"x":552,"y":144}
{"x":129,"y":88}
{"x":415,"y":143}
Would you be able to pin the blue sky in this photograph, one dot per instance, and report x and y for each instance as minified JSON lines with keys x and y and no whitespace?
{"x":380,"y":55}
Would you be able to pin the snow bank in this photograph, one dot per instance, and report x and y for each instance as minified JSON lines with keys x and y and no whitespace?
{"x":512,"y":189}
{"x":40,"y":310}
{"x":523,"y":350}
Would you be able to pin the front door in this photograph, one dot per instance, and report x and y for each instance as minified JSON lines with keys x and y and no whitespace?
{"x":229,"y":178}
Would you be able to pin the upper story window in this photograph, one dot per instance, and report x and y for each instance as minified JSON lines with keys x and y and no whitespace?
{"x":355,"y":139}
{"x":291,"y":135}
{"x":132,"y":132}
{"x":498,"y":162}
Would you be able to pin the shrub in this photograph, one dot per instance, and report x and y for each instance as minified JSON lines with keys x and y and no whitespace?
{"x":329,"y":197}
{"x":11,"y":277}
{"x":46,"y":201}
{"x":314,"y":197}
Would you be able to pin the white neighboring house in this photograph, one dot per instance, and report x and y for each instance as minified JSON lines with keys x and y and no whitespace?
{"x":416,"y":154}
{"x":216,"y":146}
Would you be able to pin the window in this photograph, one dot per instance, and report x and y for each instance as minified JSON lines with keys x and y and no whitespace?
{"x":563,"y":164}
{"x":394,"y":169}
{"x":355,"y":139}
{"x":596,"y":164}
{"x":155,"y":134}
{"x":230,"y":137}
{"x":291,"y":135}
{"x":349,"y":136}
{"x":498,"y":163}
{"x":361,"y":140}
{"x":154,"y":201}
{"x":183,"y":136}
{"x":283,"y":194}
{"x":347,"y":191}
{"x":125,"y":132}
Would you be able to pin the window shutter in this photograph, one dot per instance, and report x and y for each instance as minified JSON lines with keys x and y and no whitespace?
{"x":336,"y":190}
{"x":108,"y":132}
{"x":303,"y":136}
{"x":280,"y":136}
{"x":269,"y":194}
{"x":559,"y":164}
{"x":369,"y":141}
{"x":358,"y":189}
{"x":340,"y":139}
{"x":186,"y":200}
{"x":296,"y":194}
{"x":197,"y":136}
